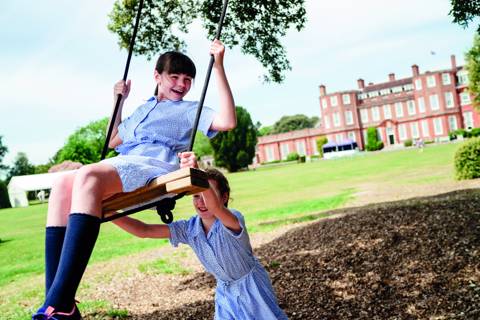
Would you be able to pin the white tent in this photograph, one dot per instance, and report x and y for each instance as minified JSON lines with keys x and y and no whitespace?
{"x":20,"y":185}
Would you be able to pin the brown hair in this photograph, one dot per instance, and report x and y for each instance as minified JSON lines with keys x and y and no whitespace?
{"x":175,"y":62}
{"x":222,"y":182}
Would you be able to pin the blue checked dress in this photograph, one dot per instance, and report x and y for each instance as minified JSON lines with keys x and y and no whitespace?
{"x":244,"y":290}
{"x":152,"y":137}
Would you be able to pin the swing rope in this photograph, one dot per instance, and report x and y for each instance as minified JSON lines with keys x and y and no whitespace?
{"x":204,"y":90}
{"x":207,"y":79}
{"x":125,"y":75}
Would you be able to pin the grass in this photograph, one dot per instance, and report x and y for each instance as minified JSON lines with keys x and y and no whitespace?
{"x":269,"y":197}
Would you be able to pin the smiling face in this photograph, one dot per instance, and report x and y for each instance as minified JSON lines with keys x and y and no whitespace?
{"x":200,"y":205}
{"x":172,"y":86}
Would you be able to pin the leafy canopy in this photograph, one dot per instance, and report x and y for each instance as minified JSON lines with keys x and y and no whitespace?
{"x":465,"y":11}
{"x":85,"y":145}
{"x":472,"y":58}
{"x":235,"y":149}
{"x":21,"y":166}
{"x":202,"y":145}
{"x":295,"y":122}
{"x":254,"y":25}
{"x":3,"y":152}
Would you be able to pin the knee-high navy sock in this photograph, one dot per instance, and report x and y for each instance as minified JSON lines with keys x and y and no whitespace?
{"x":53,"y":248}
{"x":80,"y":238}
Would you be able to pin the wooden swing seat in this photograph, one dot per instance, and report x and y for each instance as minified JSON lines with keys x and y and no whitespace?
{"x":183,"y":181}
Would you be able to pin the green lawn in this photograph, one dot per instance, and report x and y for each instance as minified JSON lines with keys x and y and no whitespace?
{"x":269,"y":197}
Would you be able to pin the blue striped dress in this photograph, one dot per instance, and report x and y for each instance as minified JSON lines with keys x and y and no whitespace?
{"x":244,"y":290}
{"x":152,"y":137}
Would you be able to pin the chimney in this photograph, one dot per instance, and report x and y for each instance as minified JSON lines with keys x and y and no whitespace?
{"x":391,"y":77}
{"x":361,"y":84}
{"x":323,"y":90}
{"x":453,"y":61}
{"x":415,"y":71}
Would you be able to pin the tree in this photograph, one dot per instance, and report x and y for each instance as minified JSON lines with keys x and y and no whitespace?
{"x":373,"y":143}
{"x":3,"y":152}
{"x":235,"y":149}
{"x":254,"y":25}
{"x":320,"y":142}
{"x":21,"y":166}
{"x":295,"y":122}
{"x":85,"y":145}
{"x":264,"y":131}
{"x":202,"y":145}
{"x":4,"y":200}
{"x":465,"y":11}
{"x":472,"y":58}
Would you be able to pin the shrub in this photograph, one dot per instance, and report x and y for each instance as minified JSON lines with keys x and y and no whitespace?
{"x":292,"y":156}
{"x":452,"y":135}
{"x":408,"y":143}
{"x":467,"y":160}
{"x":320,"y":142}
{"x":373,"y":143}
{"x":462,"y":132}
{"x":475,"y":132}
{"x":302,"y":159}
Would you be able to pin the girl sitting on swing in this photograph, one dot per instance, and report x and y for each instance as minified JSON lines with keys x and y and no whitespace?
{"x":148,"y":143}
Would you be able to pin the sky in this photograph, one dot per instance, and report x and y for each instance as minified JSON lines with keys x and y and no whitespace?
{"x":59,"y":62}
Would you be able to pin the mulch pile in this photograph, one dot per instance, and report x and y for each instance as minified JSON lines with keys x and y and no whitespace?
{"x":412,"y":259}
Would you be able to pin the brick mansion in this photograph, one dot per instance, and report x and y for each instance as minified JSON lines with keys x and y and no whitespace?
{"x":426,"y":105}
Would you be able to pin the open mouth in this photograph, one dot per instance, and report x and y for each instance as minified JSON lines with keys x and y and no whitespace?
{"x":202,"y":209}
{"x":179,"y":92}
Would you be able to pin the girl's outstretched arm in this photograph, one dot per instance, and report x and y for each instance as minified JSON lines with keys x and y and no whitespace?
{"x":214,"y":203}
{"x":123,"y":88}
{"x":141,"y":229}
{"x":226,"y":118}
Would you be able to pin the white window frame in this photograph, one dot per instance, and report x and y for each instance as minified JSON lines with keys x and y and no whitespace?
{"x":336,"y":119}
{"x":314,"y":146}
{"x":346,"y":99}
{"x":327,"y":121}
{"x":421,"y":104}
{"x":462,"y":76}
{"x":333,"y":101}
{"x":348,"y":117}
{"x":425,"y":128}
{"x":468,"y":119}
{"x":431,"y":82}
{"x":301,"y":149}
{"x":437,"y":126}
{"x":351,"y":135}
{"x":284,"y":150}
{"x":402,"y":131}
{"x":398,"y":109}
{"x":446,"y":79}
{"x":375,"y":114}
{"x":411,"y":107}
{"x":465,"y":98}
{"x":324,"y":103}
{"x":449,"y":102}
{"x":269,"y":151}
{"x":387,"y":111}
{"x":452,"y":123}
{"x":418,"y":84}
{"x":414,"y":130}
{"x":339,"y":137}
{"x":434,"y":103}
{"x":379,"y":134}
{"x":364,"y":115}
